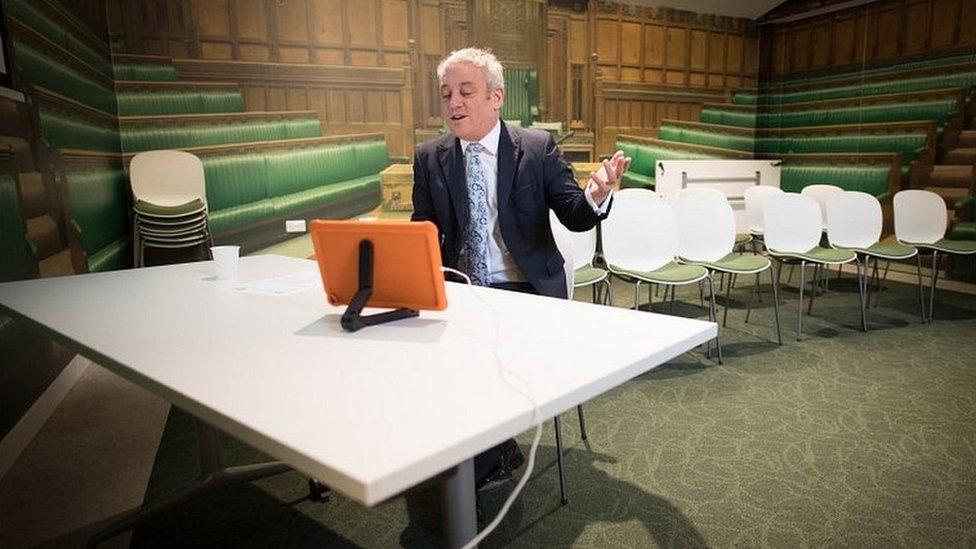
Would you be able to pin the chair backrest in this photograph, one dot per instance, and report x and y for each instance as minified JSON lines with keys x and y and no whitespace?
{"x":820,"y":193}
{"x":706,"y":225}
{"x":641,"y":233}
{"x":920,"y":217}
{"x":754,"y":199}
{"x":564,"y":243}
{"x":792,"y":223}
{"x":703,"y":193}
{"x":167,"y":178}
{"x":853,"y":220}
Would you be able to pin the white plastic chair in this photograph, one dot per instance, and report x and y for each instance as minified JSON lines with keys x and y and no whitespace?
{"x":640,"y":245}
{"x":706,"y":237}
{"x":792,"y":231}
{"x":854,"y":222}
{"x":820,"y":193}
{"x":754,"y":197}
{"x":921,"y":220}
{"x":565,"y":245}
{"x":170,"y":202}
{"x":584,"y":249}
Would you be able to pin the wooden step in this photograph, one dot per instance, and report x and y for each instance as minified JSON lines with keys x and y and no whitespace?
{"x":962,"y":156}
{"x":33,"y":198}
{"x":967,"y":138}
{"x":58,"y":264}
{"x":944,"y":175}
{"x":43,"y":231}
{"x":949,"y":194}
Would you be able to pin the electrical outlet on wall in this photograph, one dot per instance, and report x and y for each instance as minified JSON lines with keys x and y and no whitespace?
{"x":295,"y":226}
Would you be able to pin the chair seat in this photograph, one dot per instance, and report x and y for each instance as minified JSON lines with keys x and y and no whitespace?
{"x":588,"y":274}
{"x":819,"y":254}
{"x":964,"y":247}
{"x":735,"y":264}
{"x":886,"y":251}
{"x":155,"y":210}
{"x":671,"y":273}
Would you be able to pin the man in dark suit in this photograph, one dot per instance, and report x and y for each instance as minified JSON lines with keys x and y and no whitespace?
{"x":489,"y":187}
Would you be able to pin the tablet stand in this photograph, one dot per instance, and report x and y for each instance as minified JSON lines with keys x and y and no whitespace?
{"x":352,"y":320}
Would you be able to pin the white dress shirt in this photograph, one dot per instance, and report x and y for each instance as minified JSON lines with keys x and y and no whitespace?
{"x":501,"y":264}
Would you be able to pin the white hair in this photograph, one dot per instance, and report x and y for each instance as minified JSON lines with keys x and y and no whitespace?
{"x":483,"y":59}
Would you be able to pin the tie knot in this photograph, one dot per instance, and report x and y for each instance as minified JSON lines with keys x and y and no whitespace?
{"x":475,"y":148}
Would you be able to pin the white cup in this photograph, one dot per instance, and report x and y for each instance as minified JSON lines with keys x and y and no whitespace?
{"x":226,"y":259}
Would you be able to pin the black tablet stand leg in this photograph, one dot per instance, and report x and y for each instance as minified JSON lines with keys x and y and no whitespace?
{"x":352,"y":320}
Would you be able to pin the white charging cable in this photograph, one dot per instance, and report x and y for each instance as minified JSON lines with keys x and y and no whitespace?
{"x":535,"y":420}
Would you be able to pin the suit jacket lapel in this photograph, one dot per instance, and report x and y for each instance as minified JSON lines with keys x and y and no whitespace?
{"x":509,"y":150}
{"x":449,"y":155}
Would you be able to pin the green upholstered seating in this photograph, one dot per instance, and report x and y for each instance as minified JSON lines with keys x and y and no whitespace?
{"x":153,"y":102}
{"x":957,"y":80}
{"x":868,"y":178}
{"x":144,"y":72}
{"x":249,"y":193}
{"x":713,"y":115}
{"x":198,"y":134}
{"x":100,"y":216}
{"x":707,"y":138}
{"x":876,"y":71}
{"x":644,"y":162}
{"x":41,"y":70}
{"x":64,"y":131}
{"x":27,"y":13}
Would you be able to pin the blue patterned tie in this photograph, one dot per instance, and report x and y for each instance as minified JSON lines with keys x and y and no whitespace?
{"x":476,"y":238}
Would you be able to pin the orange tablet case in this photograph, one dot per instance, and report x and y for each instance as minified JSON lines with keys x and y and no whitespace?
{"x":406,"y":262}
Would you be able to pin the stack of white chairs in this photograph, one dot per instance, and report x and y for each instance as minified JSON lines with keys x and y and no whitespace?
{"x":169,"y":203}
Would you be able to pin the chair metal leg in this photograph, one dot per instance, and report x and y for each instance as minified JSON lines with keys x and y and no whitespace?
{"x":813,"y":285}
{"x":671,"y":306}
{"x":921,"y":288}
{"x":775,"y":274}
{"x":799,"y":304}
{"x":714,"y":315}
{"x":728,"y":290}
{"x":701,"y":295}
{"x":884,"y":278}
{"x":579,"y":412}
{"x":559,"y":462}
{"x":862,"y":292}
{"x":935,"y":279}
{"x":637,"y":295}
{"x":789,"y":277}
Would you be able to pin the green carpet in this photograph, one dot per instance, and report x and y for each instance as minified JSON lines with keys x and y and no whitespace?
{"x":846,"y":439}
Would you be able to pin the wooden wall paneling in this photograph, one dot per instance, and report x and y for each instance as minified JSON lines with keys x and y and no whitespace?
{"x":355,"y":106}
{"x":608,"y":47}
{"x":362,"y":22}
{"x":916,"y":26}
{"x":394,"y":23}
{"x":277,"y":98}
{"x":676,"y":55}
{"x":967,"y":22}
{"x":556,"y":89}
{"x":297,"y":99}
{"x":820,"y":44}
{"x":336,"y":103}
{"x":943,"y":23}
{"x":375,"y":106}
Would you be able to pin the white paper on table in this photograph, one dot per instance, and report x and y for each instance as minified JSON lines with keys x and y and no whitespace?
{"x":282,"y":285}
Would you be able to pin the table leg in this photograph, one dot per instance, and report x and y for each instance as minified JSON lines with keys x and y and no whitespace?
{"x":459,"y":504}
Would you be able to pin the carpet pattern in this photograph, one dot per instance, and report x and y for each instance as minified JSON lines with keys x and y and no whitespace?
{"x":845,"y":439}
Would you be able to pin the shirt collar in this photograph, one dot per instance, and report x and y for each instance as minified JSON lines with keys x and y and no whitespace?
{"x":489,"y":142}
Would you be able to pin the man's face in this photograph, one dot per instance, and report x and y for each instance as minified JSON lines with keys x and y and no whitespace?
{"x":469,"y":108}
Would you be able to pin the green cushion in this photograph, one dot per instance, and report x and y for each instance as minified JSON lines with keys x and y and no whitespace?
{"x":311,"y":199}
{"x":903,"y":85}
{"x":235,"y":180}
{"x":632,"y":180}
{"x":735,"y":263}
{"x":821,"y":255}
{"x":189,"y":101}
{"x":938,"y":111}
{"x":872,"y":179}
{"x":887,"y":251}
{"x":728,"y":118}
{"x":188,"y":208}
{"x":64,"y":131}
{"x":147,"y":72}
{"x":672,"y":273}
{"x":111,"y":257}
{"x":588,"y":274}
{"x":42,"y":70}
{"x":708,"y":138}
{"x":963,"y":247}
{"x":863,"y":72}
{"x":27,"y":12}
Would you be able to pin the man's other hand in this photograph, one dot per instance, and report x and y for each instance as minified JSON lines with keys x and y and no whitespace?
{"x":603,"y":180}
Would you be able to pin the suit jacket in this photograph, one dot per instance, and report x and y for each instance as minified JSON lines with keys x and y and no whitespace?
{"x":533,"y":178}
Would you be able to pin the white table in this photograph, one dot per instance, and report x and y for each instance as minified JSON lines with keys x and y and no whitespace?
{"x":370,"y":413}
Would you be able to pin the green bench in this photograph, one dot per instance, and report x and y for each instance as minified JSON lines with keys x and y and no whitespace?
{"x":939,"y":111}
{"x":182,"y":134}
{"x":861,"y":72}
{"x":250,"y":195}
{"x":144,"y":72}
{"x":64,"y":131}
{"x":868,"y":178}
{"x":707,"y":138}
{"x":27,"y":12}
{"x":959,"y":80}
{"x":40,"y":69}
{"x":159,"y":102}
{"x":645,"y":155}
{"x":100,"y":216}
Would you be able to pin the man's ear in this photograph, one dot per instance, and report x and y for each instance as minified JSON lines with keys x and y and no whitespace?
{"x":497,"y":98}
